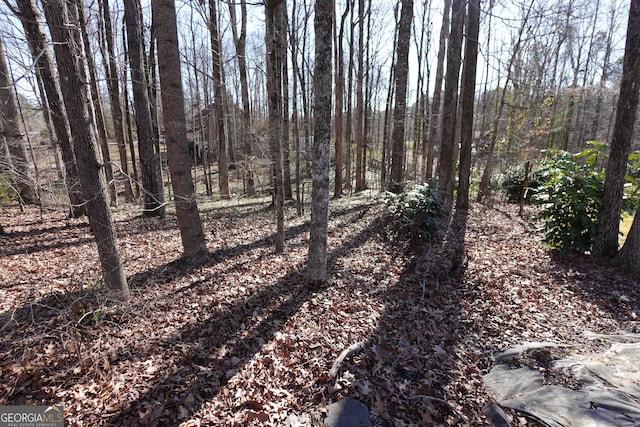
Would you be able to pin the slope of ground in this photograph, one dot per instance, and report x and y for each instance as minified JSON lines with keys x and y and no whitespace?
{"x":246,"y":340}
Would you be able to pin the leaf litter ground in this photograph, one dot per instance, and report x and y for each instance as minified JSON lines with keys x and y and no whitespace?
{"x":245,"y":339}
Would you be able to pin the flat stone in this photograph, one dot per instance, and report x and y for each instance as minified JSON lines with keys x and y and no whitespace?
{"x":348,"y":413}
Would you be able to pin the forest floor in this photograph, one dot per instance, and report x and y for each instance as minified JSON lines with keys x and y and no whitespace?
{"x":245,"y":340}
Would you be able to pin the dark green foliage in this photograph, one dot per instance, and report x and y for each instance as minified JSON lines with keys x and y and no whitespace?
{"x":414,"y":216}
{"x":7,"y":192}
{"x":513,"y":182}
{"x":632,"y":186}
{"x":570,"y":197}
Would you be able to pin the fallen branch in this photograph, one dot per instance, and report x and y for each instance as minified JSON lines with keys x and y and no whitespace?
{"x":352,"y":350}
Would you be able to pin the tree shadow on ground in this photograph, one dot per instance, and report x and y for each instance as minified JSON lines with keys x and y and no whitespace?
{"x":600,"y":283}
{"x":221,"y":345}
{"x":222,"y":340}
{"x":408,"y":370}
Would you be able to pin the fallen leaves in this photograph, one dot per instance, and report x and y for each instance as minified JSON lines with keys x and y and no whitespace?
{"x":245,"y":340}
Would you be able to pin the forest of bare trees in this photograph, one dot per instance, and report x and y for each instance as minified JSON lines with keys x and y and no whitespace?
{"x":457,"y":93}
{"x":234,"y":212}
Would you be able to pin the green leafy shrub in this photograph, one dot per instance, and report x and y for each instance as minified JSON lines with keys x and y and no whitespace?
{"x":414,"y":216}
{"x":632,"y":186}
{"x":7,"y":193}
{"x":513,"y":181}
{"x":570,"y":197}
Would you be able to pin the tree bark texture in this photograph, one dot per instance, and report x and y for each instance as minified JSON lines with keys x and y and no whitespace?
{"x":30,"y":18}
{"x":76,"y":101}
{"x":13,"y":135}
{"x":468,"y":101}
{"x":396,"y":183}
{"x":240,"y":40}
{"x":449,"y":109}
{"x":188,"y":216}
{"x":317,"y":259}
{"x":434,"y":117}
{"x":149,"y":160}
{"x":218,"y":87}
{"x":606,"y":243}
{"x":114,"y":98}
{"x":275,"y":119}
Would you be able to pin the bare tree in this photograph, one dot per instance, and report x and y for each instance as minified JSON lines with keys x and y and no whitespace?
{"x":606,"y":243}
{"x":111,"y":68}
{"x":450,"y":106}
{"x":396,"y":183}
{"x":30,"y":19}
{"x":149,"y":159}
{"x":189,"y":222}
{"x":434,"y":117}
{"x":76,"y":100}
{"x":359,"y":119}
{"x":468,"y":101}
{"x":317,"y":261}
{"x":218,"y":86}
{"x":240,"y":40}
{"x":13,"y":135}
{"x":275,"y":119}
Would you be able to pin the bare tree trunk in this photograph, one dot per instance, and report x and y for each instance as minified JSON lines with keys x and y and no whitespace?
{"x":485,"y":182}
{"x":218,"y":86}
{"x":275,"y":119}
{"x":96,"y":111}
{"x":189,"y":223}
{"x":30,"y":19}
{"x":396,"y":184}
{"x":349,"y":115}
{"x":450,"y":106}
{"x":317,"y":259}
{"x":296,"y":122}
{"x":240,"y":41}
{"x":468,"y":101}
{"x":339,"y":88}
{"x":13,"y":136}
{"x":606,"y":243}
{"x":76,"y":100}
{"x":281,"y":48}
{"x":434,"y":117}
{"x":359,"y":121}
{"x":114,"y":98}
{"x":149,"y":160}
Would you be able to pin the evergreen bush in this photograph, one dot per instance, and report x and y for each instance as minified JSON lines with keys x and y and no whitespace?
{"x":414,"y":216}
{"x":570,"y":197}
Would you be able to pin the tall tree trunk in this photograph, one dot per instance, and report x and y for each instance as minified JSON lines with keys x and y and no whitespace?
{"x":13,"y":136}
{"x":96,"y":111}
{"x":359,"y":121}
{"x":606,"y":243}
{"x":240,"y":40}
{"x":296,"y":121}
{"x":434,"y":118}
{"x":188,"y":216}
{"x":149,"y":160}
{"x":468,"y":101}
{"x":76,"y":100}
{"x":114,"y":98}
{"x":485,"y":181}
{"x":218,"y":86}
{"x":275,"y":119}
{"x":281,"y":48}
{"x":30,"y":18}
{"x":349,"y":114}
{"x":396,"y":184}
{"x":339,"y":89}
{"x":317,"y":260}
{"x":450,"y":106}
